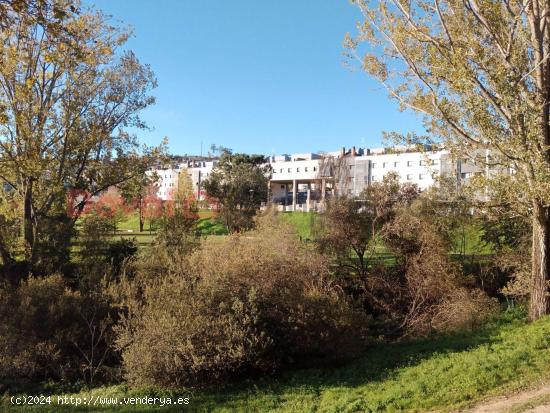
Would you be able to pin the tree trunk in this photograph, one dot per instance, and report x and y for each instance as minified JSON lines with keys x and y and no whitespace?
{"x":141,"y":217}
{"x":28,"y":222}
{"x":540,"y":262}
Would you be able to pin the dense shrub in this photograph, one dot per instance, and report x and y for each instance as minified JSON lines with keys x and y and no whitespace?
{"x":99,"y":253}
{"x":254,"y":302}
{"x":50,"y":331}
{"x":436,"y":295}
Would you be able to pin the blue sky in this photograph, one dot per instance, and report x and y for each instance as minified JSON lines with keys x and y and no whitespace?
{"x":255,"y":76}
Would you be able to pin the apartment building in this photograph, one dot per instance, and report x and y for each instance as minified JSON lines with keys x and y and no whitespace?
{"x":303,"y":181}
{"x":168,"y":177}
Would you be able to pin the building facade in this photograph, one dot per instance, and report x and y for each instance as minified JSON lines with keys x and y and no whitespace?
{"x":168,"y":177}
{"x":303,"y":181}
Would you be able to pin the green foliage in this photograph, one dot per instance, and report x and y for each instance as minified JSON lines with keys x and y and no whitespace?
{"x":477,"y":72}
{"x":67,"y":93}
{"x":239,"y":184}
{"x":254,"y":302}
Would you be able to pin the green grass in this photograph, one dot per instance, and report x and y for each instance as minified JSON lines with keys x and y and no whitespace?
{"x":467,"y":240}
{"x":443,"y":373}
{"x":129,"y":228}
{"x":207,"y":224}
{"x":211,"y":226}
{"x":303,"y":221}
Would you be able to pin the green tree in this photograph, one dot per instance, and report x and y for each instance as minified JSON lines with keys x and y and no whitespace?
{"x":479,"y":73}
{"x":239,"y":183}
{"x":67,"y":92}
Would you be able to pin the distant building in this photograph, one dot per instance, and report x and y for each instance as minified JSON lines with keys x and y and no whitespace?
{"x":168,"y":177}
{"x":303,"y":181}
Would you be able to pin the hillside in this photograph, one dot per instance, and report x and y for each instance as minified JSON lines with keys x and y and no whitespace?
{"x":445,"y":373}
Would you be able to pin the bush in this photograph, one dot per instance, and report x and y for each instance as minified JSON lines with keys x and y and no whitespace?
{"x":99,"y":253}
{"x":253,"y":303}
{"x":50,"y":331}
{"x":437,"y":296}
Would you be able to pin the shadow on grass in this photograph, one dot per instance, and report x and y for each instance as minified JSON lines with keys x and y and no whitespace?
{"x":380,"y":362}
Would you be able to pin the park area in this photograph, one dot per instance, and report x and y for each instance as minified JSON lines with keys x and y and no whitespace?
{"x":215,"y":253}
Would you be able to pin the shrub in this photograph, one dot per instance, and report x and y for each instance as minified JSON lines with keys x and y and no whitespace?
{"x":253,"y":303}
{"x":50,"y":331}
{"x":99,"y":253}
{"x":437,"y":296}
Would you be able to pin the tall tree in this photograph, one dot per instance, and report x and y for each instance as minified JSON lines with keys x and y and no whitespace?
{"x":67,"y":92}
{"x":239,"y":183}
{"x":479,"y":71}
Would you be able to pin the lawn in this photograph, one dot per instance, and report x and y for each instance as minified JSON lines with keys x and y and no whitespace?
{"x":303,"y":221}
{"x":442,"y":373}
{"x":129,"y":227}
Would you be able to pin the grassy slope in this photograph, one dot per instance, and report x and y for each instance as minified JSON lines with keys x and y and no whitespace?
{"x":442,"y":373}
{"x":303,"y":221}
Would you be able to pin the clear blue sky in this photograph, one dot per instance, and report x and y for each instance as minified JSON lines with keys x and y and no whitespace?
{"x":255,"y":76}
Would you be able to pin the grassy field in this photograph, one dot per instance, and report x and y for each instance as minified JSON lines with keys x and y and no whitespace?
{"x":303,"y":221}
{"x":443,"y":373}
{"x":129,"y":228}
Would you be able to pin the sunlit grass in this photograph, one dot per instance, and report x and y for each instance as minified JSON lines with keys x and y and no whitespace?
{"x":443,"y":373}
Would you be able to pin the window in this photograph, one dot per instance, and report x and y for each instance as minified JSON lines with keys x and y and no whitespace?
{"x":384,"y":164}
{"x":435,"y":161}
{"x":374,"y":178}
{"x":281,"y":170}
{"x":282,"y":187}
{"x":314,"y":168}
{"x":409,"y":177}
{"x":288,"y":170}
{"x":297,"y":169}
{"x":422,"y":163}
{"x":374,"y":164}
{"x":395,"y":164}
{"x":305,"y":169}
{"x":421,"y":176}
{"x":409,"y":163}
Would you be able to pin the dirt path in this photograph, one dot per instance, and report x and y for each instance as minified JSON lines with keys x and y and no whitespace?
{"x":530,"y":401}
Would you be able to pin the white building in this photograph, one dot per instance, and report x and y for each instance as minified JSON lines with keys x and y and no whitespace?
{"x":302,"y":181}
{"x":198,"y":171}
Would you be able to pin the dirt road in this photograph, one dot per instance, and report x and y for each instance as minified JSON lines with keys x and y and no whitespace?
{"x":530,"y":401}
